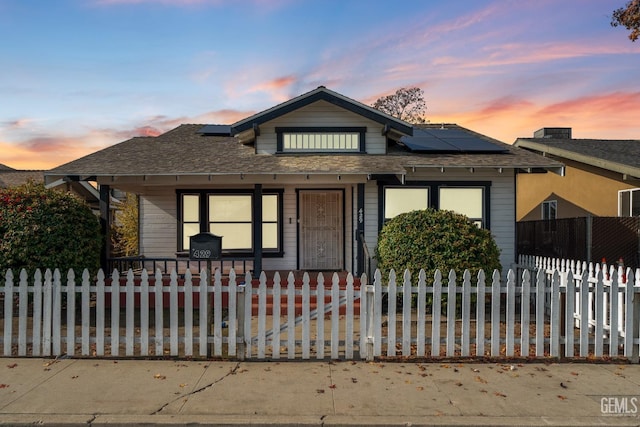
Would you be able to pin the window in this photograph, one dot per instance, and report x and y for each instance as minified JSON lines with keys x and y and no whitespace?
{"x":462,"y":198}
{"x":629,"y":202}
{"x":549,"y":210}
{"x":324,"y":139}
{"x":401,"y":200}
{"x":190,"y":217}
{"x":465,"y":201}
{"x":230,"y":215}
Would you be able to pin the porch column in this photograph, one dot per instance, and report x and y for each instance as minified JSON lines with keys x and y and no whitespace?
{"x":257,"y":230}
{"x":105,"y":224}
{"x":360,"y":230}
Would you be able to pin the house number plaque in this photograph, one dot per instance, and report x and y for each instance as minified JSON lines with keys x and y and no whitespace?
{"x":205,"y":246}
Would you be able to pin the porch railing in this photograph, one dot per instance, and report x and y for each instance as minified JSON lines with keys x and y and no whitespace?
{"x":241,"y":265}
{"x":366,"y":255}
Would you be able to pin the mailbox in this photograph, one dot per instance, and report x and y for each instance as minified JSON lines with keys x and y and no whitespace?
{"x":205,"y":246}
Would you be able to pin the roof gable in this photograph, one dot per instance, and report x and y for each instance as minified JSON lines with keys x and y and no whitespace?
{"x":324,"y":94}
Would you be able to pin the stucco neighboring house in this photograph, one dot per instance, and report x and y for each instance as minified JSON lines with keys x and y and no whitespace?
{"x":602,"y":177}
{"x":307,"y":184}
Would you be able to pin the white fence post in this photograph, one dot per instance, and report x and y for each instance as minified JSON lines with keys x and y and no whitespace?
{"x":406,"y":314}
{"x":115,"y":313}
{"x":480,"y":314}
{"x":435,"y":314}
{"x":23,"y":312}
{"x":451,"y":314}
{"x":240,"y":293}
{"x":422,"y":318}
{"x":8,"y":312}
{"x":370,"y":318}
{"x":391,"y":314}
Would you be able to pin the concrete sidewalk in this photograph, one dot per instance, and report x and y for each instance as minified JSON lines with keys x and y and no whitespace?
{"x":136,"y":392}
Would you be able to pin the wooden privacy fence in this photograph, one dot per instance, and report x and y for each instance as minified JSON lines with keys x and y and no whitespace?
{"x":271,"y":319}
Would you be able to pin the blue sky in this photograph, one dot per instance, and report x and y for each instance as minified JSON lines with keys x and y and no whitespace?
{"x":79,"y":75}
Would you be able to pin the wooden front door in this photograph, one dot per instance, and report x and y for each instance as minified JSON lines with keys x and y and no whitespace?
{"x":321,"y":230}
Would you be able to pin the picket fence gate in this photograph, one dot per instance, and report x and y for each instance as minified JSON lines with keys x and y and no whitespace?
{"x":507,"y":317}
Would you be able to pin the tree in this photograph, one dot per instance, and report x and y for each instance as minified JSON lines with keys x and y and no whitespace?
{"x":406,"y":104}
{"x":124,"y":231}
{"x":44,"y":228}
{"x":628,"y":17}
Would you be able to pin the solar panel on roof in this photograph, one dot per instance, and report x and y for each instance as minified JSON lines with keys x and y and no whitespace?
{"x":217,"y":130}
{"x":445,"y":140}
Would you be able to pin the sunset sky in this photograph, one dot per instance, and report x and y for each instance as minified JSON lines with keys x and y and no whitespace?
{"x":79,"y":75}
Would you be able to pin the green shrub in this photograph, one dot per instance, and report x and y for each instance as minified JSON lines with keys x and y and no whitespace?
{"x":41,"y":228}
{"x":436,"y":239}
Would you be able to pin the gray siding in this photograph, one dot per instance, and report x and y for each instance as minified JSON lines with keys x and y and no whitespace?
{"x":320,"y":114}
{"x":159,"y":221}
{"x":502,"y":205}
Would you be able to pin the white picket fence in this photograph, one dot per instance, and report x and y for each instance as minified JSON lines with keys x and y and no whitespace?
{"x":49,"y":316}
{"x":609,"y":273}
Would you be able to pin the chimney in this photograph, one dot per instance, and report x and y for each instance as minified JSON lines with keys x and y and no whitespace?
{"x":555,"y":133}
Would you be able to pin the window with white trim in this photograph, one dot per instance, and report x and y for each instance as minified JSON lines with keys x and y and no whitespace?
{"x":320,"y":139}
{"x":629,"y":202}
{"x":549,"y":210}
{"x":321,"y":142}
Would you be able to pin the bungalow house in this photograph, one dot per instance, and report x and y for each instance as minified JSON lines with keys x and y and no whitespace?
{"x":306,"y":184}
{"x":602,"y":177}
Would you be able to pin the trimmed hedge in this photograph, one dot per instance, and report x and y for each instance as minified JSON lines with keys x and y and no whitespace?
{"x":436,"y":239}
{"x":41,"y":228}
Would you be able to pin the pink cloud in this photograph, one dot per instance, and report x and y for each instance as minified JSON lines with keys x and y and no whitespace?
{"x":17,"y":124}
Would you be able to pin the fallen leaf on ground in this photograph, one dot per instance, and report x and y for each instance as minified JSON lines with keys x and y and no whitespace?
{"x":13,"y":365}
{"x":4,"y":385}
{"x":420,"y":388}
{"x":561,"y":397}
{"x":319,"y":391}
{"x":332,"y":386}
{"x":575,"y":373}
{"x":160,"y":377}
{"x":183,"y":385}
{"x":497,"y":393}
{"x":480,"y":379}
{"x":354,"y":380}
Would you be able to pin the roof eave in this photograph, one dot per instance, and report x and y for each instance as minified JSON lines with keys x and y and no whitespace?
{"x":625,"y":170}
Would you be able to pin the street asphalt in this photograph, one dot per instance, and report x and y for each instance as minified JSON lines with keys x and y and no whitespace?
{"x":100,"y":392}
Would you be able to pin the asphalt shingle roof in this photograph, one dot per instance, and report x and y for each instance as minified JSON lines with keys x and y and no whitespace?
{"x":616,"y":155}
{"x":184,"y":151}
{"x":12,"y":177}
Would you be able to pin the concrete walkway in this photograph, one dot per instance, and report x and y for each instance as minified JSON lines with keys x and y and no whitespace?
{"x":136,"y":392}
